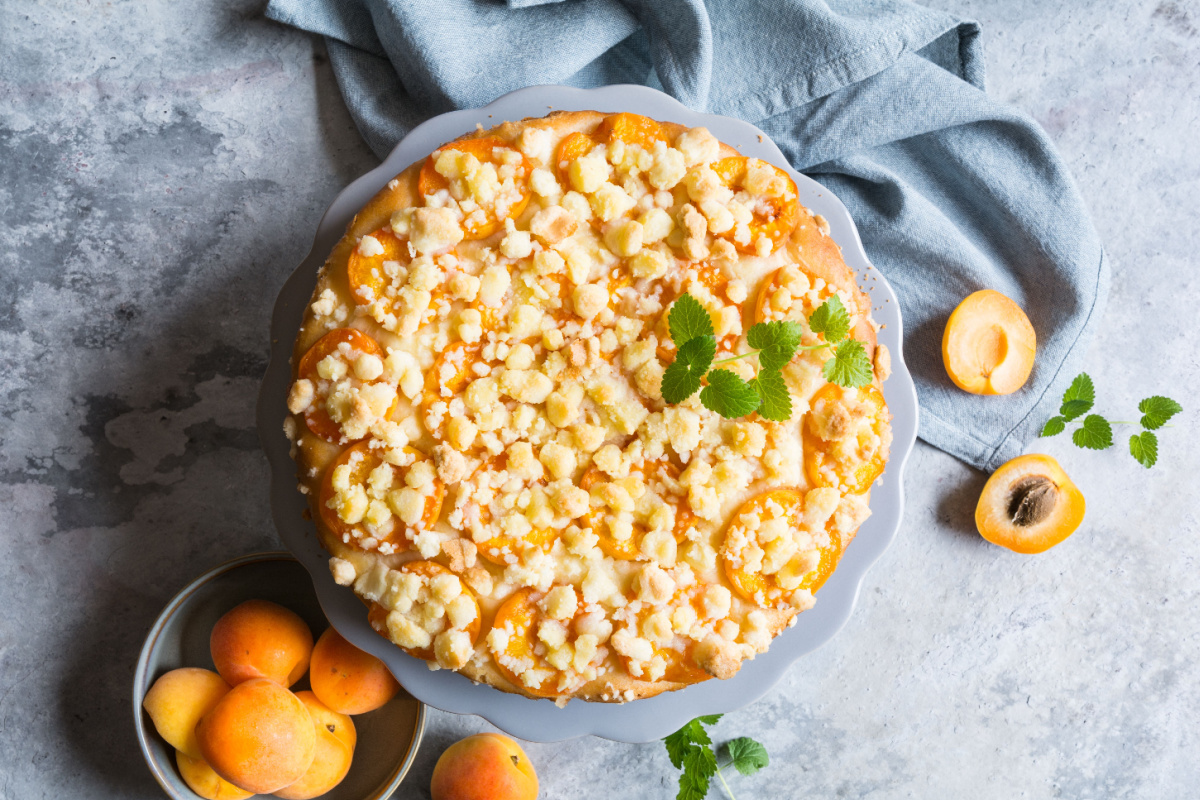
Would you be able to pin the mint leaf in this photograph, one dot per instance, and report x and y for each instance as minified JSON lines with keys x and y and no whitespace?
{"x":1157,"y":411}
{"x":776,"y":401}
{"x":1096,"y":433}
{"x":710,"y":719}
{"x":697,"y":734}
{"x":1073,"y":409}
{"x":1054,"y":426}
{"x":728,"y":395}
{"x":677,"y":746}
{"x":831,"y":319}
{"x":747,"y":755}
{"x":698,"y":766}
{"x":682,"y":378}
{"x":688,"y":319}
{"x":849,"y":366}
{"x":776,"y":342}
{"x":1144,"y":447}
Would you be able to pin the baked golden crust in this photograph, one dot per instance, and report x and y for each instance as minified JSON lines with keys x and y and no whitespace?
{"x":403,"y":389}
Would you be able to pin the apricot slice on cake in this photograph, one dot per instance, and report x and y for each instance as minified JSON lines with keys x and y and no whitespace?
{"x":623,"y":540}
{"x":177,"y":701}
{"x":342,"y":355}
{"x":366,"y":266}
{"x":261,"y":639}
{"x":370,"y":503}
{"x":332,"y":754}
{"x":776,"y":209}
{"x":846,"y":437}
{"x":1029,"y":505}
{"x":989,"y":344}
{"x":259,"y":736}
{"x":346,"y":679}
{"x":486,"y":766}
{"x":436,"y":616}
{"x":487,"y":177}
{"x":768,"y":556}
{"x":537,"y":644}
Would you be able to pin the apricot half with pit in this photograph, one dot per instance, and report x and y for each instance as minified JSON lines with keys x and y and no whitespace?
{"x":1029,"y":505}
{"x":989,"y":344}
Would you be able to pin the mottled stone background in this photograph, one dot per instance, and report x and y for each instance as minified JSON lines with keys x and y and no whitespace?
{"x":162,"y":168}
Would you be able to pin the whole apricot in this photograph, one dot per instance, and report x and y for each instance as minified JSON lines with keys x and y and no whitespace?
{"x":486,"y":766}
{"x":989,"y":344}
{"x":259,"y":736}
{"x":348,"y":680}
{"x":177,"y":701}
{"x":202,"y":780}
{"x":336,"y":738}
{"x":1029,"y":505}
{"x":261,"y":639}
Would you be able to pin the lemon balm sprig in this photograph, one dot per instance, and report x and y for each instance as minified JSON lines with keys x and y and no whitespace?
{"x":773,"y":343}
{"x":690,"y":750}
{"x":1095,"y":432}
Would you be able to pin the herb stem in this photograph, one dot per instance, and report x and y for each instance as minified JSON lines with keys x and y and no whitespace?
{"x":723,"y":783}
{"x":736,"y":358}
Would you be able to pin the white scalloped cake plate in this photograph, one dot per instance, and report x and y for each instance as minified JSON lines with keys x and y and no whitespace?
{"x":541,"y":720}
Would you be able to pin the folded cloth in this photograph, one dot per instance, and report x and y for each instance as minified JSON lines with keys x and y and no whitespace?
{"x":880,"y":100}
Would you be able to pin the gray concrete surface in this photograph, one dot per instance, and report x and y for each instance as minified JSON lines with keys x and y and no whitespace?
{"x":162,"y":166}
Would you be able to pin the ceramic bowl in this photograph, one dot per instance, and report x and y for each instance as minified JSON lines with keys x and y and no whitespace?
{"x":388,"y":737}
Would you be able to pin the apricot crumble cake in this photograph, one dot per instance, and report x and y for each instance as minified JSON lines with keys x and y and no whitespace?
{"x":479,"y":419}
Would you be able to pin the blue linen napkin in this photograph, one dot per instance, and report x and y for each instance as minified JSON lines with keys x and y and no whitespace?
{"x":880,"y":100}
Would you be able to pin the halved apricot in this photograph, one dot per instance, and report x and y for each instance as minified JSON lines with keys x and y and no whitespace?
{"x":629,"y":549}
{"x":782,"y":209}
{"x":1029,"y":505}
{"x":838,"y":447}
{"x":349,"y":344}
{"x":989,"y":344}
{"x":753,"y":584}
{"x":495,"y":206}
{"x":377,"y":614}
{"x":361,"y":461}
{"x":368,"y":279}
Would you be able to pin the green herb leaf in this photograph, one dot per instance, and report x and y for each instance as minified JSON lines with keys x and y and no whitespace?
{"x":849,"y":366}
{"x":1079,"y":397}
{"x":747,"y":755}
{"x":677,"y":744}
{"x":1144,"y":447}
{"x":688,"y":319}
{"x":1054,"y":426}
{"x":776,"y":342}
{"x":776,"y":401}
{"x":710,"y":719}
{"x":699,"y":765}
{"x":697,"y":734}
{"x":728,"y":395}
{"x":682,"y":377}
{"x":1157,"y":411}
{"x":831,"y":319}
{"x":1096,"y":433}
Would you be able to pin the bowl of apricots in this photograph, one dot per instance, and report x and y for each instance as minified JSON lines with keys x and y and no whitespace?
{"x":243,"y":688}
